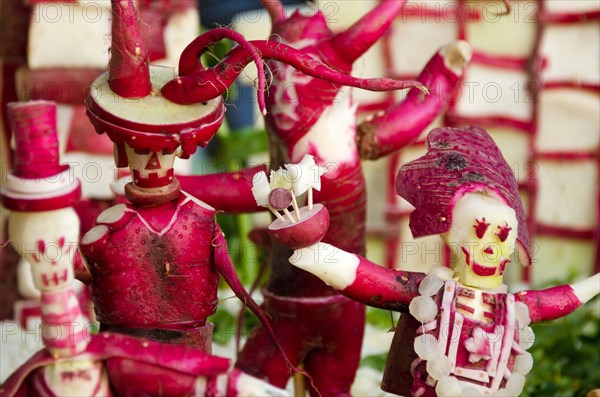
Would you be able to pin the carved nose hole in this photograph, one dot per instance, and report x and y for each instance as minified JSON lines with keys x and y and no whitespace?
{"x":489,"y":250}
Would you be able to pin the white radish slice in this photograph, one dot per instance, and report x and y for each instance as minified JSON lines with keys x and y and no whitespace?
{"x":430,"y":285}
{"x":426,"y":347}
{"x":423,"y":309}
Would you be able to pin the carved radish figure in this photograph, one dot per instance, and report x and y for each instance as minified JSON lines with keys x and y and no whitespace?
{"x":306,"y":115}
{"x":44,"y":229}
{"x":465,"y":335}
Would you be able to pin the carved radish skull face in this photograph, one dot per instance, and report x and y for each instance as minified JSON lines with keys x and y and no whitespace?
{"x":48,"y":241}
{"x":482,"y":238}
{"x":150,"y":169}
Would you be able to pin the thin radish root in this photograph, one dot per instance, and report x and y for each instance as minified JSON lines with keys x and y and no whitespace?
{"x":189,"y":61}
{"x":196,"y":84}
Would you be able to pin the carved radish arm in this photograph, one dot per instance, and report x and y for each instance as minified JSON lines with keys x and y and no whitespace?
{"x":402,"y":123}
{"x":358,"y":278}
{"x":229,"y":191}
{"x":227,"y":270}
{"x":556,"y":302}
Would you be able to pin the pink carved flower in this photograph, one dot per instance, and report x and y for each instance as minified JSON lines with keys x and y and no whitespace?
{"x":479,"y":346}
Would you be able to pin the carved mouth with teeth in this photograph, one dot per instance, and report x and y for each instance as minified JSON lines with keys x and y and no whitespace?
{"x":482,"y":270}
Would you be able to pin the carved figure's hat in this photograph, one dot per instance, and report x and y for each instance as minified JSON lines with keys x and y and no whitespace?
{"x":38,"y":182}
{"x":126,"y":102}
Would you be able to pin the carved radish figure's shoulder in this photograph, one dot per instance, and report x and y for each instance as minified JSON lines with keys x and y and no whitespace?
{"x":116,"y":216}
{"x":109,"y":220}
{"x":191,"y":203}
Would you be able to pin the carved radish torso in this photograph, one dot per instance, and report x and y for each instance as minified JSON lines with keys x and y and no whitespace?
{"x":171,"y":269}
{"x":479,"y":336}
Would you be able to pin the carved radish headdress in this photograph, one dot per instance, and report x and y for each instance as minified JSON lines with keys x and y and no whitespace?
{"x":458,"y":161}
{"x":125,"y":102}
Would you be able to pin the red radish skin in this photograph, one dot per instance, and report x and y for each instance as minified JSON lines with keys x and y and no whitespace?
{"x":174,"y":368}
{"x":189,"y":63}
{"x":39,"y":118}
{"x":549,"y":304}
{"x":230,"y":192}
{"x":402,"y":123}
{"x":129,"y":76}
{"x":200,"y":85}
{"x":308,"y":231}
{"x":343,"y":189}
{"x":140,"y":253}
{"x":384,"y":288}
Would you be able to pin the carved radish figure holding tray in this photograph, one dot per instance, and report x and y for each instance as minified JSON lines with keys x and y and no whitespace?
{"x":465,"y":333}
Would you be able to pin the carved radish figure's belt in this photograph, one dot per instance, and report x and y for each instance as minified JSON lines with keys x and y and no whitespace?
{"x":192,"y":333}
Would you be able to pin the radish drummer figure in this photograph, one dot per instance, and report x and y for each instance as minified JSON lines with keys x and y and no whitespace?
{"x":466,"y":334}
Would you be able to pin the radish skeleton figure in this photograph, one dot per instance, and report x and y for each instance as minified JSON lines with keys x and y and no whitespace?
{"x":465,"y":335}
{"x":44,"y":229}
{"x":306,"y":115}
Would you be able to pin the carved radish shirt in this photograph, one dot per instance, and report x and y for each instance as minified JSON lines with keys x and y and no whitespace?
{"x":470,"y":341}
{"x":153,"y":267}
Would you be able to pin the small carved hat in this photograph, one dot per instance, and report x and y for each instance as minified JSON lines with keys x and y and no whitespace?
{"x":38,"y":182}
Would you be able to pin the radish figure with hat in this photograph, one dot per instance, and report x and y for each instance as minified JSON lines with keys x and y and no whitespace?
{"x":44,"y":229}
{"x":464,"y":334}
{"x":155,"y":261}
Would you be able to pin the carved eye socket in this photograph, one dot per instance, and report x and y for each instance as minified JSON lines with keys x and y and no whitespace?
{"x":503,"y":232}
{"x":480,"y":227}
